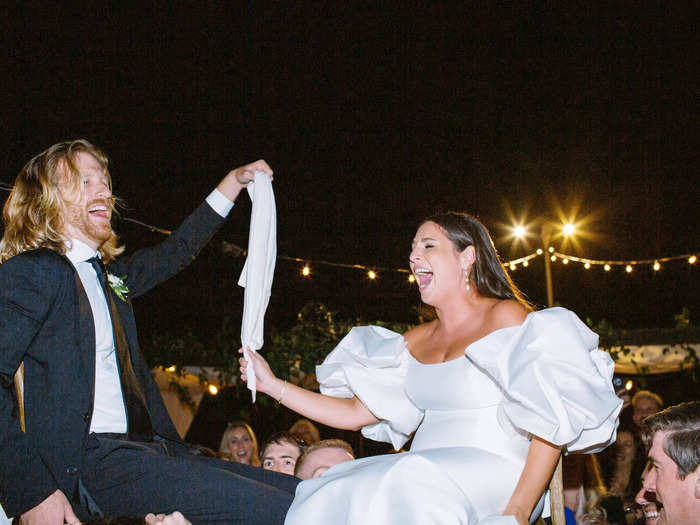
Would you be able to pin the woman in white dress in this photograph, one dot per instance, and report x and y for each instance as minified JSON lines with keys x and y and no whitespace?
{"x":491,"y":391}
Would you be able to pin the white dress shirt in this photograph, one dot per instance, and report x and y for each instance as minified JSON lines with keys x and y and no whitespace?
{"x":109,"y":414}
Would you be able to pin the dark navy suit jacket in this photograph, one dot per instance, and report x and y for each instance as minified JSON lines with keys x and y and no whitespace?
{"x":46,"y":322}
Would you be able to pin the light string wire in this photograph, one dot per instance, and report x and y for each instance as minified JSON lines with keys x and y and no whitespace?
{"x":235,"y":250}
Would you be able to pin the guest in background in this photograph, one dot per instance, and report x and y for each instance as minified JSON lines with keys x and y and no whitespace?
{"x":645,"y":403}
{"x":306,"y":430}
{"x":583,"y":487}
{"x":280,"y":452}
{"x":321,"y":456}
{"x":239,"y":444}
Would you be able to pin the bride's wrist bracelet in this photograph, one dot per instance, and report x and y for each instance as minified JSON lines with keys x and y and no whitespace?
{"x":282,"y":390}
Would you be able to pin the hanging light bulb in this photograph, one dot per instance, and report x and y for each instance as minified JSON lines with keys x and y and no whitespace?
{"x":306,"y":271}
{"x":213,"y":390}
{"x":656,"y":266}
{"x":565,"y":261}
{"x":692,"y":259}
{"x":512,"y":267}
{"x":587,"y":266}
{"x":606,"y":267}
{"x":628,"y":268}
{"x":372,"y":275}
{"x":526,"y":264}
{"x":411,"y":278}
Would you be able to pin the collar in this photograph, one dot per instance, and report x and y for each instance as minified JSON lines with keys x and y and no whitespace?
{"x":78,"y":251}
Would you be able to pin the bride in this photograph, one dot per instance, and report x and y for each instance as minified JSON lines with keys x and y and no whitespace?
{"x":491,"y":391}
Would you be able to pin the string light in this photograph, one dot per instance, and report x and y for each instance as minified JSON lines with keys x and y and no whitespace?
{"x":628,"y":268}
{"x":306,"y":271}
{"x":606,"y":267}
{"x":171,"y":369}
{"x":569,"y":229}
{"x":692,"y":259}
{"x":565,"y":261}
{"x":552,"y":258}
{"x":372,"y":275}
{"x":656,"y":266}
{"x":411,"y":278}
{"x":539,"y":251}
{"x":213,"y":390}
{"x":551,"y":249}
{"x":526,"y":264}
{"x":512,"y":267}
{"x":629,"y":384}
{"x":587,"y":266}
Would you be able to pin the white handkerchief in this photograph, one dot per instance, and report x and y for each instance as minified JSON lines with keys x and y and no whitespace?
{"x":259,"y":268}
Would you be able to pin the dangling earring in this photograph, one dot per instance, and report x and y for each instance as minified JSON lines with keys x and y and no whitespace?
{"x":466,"y":278}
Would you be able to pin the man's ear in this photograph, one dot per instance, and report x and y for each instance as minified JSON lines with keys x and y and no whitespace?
{"x":467,"y":257}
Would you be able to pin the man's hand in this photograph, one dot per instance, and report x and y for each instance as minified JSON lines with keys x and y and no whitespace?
{"x":171,"y":519}
{"x":54,"y":510}
{"x":237,"y":179}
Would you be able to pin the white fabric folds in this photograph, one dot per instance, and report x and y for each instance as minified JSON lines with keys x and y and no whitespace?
{"x":259,"y":268}
{"x":371,"y":363}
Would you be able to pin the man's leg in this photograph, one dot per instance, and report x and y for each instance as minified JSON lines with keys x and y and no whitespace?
{"x":133,"y":479}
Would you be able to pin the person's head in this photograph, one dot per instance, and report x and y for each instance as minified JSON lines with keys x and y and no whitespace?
{"x":453,"y":253}
{"x":280,"y":452}
{"x":321,"y":456}
{"x":645,"y":403}
{"x":239,"y":441}
{"x":306,"y":430}
{"x":672,"y":478}
{"x":62,"y":193}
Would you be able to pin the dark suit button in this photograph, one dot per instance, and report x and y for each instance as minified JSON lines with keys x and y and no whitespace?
{"x":72,"y":470}
{"x":86,"y":416}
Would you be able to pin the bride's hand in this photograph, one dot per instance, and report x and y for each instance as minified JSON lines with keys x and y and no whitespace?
{"x":264,"y":378}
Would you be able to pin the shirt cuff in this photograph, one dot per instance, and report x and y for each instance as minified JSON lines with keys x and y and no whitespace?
{"x":219,"y":203}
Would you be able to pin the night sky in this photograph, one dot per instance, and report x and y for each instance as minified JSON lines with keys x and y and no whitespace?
{"x":374,"y":116}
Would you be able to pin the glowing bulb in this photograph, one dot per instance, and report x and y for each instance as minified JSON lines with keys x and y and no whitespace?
{"x":628,"y":268}
{"x":519,"y":231}
{"x":213,"y":390}
{"x":539,"y":251}
{"x":553,"y":258}
{"x":511,"y":266}
{"x":371,"y":274}
{"x":306,"y":271}
{"x":411,"y":278}
{"x":565,"y":261}
{"x":656,"y":266}
{"x":606,"y":267}
{"x":551,"y":249}
{"x":569,"y":229}
{"x":587,"y":266}
{"x":171,"y":368}
{"x":629,"y":384}
{"x":692,"y":259}
{"x":526,"y":264}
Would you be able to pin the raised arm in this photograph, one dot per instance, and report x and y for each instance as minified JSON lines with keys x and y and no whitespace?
{"x":542,"y":458}
{"x":344,"y":413}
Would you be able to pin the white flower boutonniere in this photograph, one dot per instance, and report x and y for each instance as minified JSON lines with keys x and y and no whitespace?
{"x":117,"y":284}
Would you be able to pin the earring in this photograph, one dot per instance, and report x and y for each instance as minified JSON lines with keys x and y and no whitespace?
{"x":466,"y":278}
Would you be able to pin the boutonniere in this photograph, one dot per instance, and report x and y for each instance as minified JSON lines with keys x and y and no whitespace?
{"x":118,"y":286}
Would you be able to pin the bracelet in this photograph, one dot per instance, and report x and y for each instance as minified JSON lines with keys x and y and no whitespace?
{"x":284,"y":387}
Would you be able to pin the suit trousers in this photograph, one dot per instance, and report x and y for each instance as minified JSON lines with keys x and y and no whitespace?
{"x":126,"y":478}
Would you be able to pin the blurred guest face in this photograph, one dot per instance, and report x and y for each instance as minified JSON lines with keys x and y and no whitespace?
{"x":241,"y":445}
{"x":320,"y":460}
{"x":679,"y":500}
{"x":644,"y":407}
{"x":281,"y":457}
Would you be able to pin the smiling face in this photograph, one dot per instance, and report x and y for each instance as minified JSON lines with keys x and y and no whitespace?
{"x":87,"y":209}
{"x":281,"y":457}
{"x":241,"y":445}
{"x":679,"y":500}
{"x":436,"y":263}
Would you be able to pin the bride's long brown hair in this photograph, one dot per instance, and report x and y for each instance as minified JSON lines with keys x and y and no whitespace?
{"x":33,"y":213}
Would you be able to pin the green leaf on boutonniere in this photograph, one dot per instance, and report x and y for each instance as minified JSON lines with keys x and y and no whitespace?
{"x":117,"y":284}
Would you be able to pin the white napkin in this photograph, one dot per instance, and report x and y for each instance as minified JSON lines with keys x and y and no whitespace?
{"x":259,"y":268}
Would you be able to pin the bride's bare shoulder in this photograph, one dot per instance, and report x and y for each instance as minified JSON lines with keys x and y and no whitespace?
{"x":507,"y":313}
{"x":418,"y":333}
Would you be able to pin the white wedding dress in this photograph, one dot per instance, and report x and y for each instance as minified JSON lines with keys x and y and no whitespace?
{"x":474,"y":418}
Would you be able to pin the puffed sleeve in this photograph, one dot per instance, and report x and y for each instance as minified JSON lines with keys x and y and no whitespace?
{"x":556,"y":383}
{"x":371,"y":363}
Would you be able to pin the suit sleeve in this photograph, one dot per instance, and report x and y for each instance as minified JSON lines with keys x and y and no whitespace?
{"x":25,"y":299}
{"x":148,"y":267}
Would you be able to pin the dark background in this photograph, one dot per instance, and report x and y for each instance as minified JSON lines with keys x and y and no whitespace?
{"x":373,"y":116}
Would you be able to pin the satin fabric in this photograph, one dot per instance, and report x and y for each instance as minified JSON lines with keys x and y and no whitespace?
{"x":473,"y":419}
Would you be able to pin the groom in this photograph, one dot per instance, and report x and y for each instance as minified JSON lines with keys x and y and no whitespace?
{"x":90,"y":434}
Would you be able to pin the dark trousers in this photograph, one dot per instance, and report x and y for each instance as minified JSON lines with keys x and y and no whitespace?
{"x":125,"y":478}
